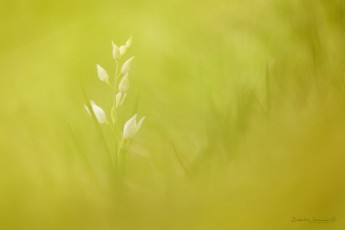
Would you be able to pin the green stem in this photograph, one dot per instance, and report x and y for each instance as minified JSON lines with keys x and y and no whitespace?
{"x":117,"y":67}
{"x":114,"y":159}
{"x":120,"y":157}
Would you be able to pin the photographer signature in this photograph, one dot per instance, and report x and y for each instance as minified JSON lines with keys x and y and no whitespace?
{"x":314,"y":220}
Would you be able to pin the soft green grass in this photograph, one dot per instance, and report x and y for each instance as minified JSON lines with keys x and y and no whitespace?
{"x":244,"y":104}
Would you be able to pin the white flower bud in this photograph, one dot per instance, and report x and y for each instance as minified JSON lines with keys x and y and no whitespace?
{"x":87,"y":109}
{"x":132,"y":127}
{"x":127,"y":65}
{"x":124,"y":84}
{"x":120,"y":98}
{"x":123,"y":50}
{"x":129,"y":42}
{"x":116,"y":51}
{"x":102,"y":74}
{"x":98,"y":111}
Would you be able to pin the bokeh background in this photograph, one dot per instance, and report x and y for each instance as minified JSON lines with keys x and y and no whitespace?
{"x":244,"y":104}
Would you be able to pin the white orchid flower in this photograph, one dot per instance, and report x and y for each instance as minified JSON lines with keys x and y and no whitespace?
{"x":132,"y":127}
{"x":127,"y":65}
{"x":102,"y":74}
{"x":120,"y":98}
{"x":116,"y":52}
{"x":98,"y":111}
{"x":124,"y":84}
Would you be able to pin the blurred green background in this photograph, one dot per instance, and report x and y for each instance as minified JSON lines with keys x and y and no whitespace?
{"x":244,"y":105}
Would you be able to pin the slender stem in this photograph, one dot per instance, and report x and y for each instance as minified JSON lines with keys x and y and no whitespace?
{"x":112,"y":113}
{"x":120,"y":146}
{"x":111,"y":87}
{"x":117,"y":67}
{"x":113,"y":157}
{"x":120,"y":157}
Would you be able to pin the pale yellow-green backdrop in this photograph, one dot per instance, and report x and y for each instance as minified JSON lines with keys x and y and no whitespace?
{"x":244,"y":105}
